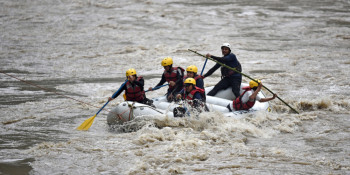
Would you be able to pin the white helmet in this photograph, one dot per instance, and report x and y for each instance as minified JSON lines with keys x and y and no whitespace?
{"x":226,"y":45}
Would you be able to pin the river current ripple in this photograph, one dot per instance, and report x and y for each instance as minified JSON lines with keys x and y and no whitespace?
{"x":81,"y":49}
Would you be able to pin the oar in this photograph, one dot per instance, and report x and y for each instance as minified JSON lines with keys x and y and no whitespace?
{"x":157,"y":87}
{"x":243,"y":75}
{"x":204,"y":65}
{"x":87,"y":123}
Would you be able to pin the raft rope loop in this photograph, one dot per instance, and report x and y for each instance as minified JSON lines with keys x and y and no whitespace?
{"x":131,"y":113}
{"x":120,"y":115}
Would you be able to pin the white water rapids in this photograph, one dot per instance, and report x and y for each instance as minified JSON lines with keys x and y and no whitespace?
{"x":299,"y":49}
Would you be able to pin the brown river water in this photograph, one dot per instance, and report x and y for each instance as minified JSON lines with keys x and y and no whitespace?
{"x":68,"y":52}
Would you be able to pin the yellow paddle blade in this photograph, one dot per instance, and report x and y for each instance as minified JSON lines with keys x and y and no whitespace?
{"x":87,"y":124}
{"x":124,"y":96}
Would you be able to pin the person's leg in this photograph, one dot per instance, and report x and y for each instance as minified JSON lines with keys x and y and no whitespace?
{"x":236,"y":85}
{"x":223,"y":84}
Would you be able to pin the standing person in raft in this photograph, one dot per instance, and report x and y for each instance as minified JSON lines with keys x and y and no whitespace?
{"x":229,"y":78}
{"x":192,"y":73}
{"x":134,"y":89}
{"x":172,"y":75}
{"x":248,"y":98}
{"x":194,"y":96}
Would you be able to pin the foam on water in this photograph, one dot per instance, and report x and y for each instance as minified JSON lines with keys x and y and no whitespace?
{"x":82,"y":49}
{"x":186,"y":142}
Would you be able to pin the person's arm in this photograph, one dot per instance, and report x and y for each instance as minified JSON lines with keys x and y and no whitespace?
{"x":179,"y":95}
{"x":230,"y":58}
{"x":268,"y":99}
{"x":200,"y":83}
{"x":255,"y":93}
{"x":212,"y":70}
{"x":162,"y":81}
{"x":117,"y":94}
{"x":221,"y":59}
{"x":176,"y":90}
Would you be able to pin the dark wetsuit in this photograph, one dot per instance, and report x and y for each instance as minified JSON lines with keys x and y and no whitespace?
{"x":229,"y":77}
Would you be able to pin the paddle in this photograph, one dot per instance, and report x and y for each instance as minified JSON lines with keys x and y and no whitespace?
{"x":204,"y":65}
{"x":158,"y":87}
{"x":87,"y":123}
{"x":222,"y":64}
{"x":155,"y":88}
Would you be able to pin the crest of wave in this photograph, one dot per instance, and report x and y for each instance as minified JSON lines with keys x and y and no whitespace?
{"x":325,"y":103}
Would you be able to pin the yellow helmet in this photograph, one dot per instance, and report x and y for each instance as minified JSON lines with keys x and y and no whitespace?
{"x":167,"y":61}
{"x":192,"y":68}
{"x":130,"y":72}
{"x":253,"y":84}
{"x":190,"y":81}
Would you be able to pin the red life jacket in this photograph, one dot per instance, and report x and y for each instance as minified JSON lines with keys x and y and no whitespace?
{"x":172,"y":76}
{"x":239,"y":105}
{"x":190,"y":95}
{"x":196,"y":78}
{"x":134,"y":93}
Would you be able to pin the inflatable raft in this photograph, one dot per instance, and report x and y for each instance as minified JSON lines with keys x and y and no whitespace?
{"x":129,"y":110}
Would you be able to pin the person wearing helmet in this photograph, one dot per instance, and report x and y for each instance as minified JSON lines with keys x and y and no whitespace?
{"x":192,"y":73}
{"x":194,"y":95}
{"x":134,"y":89}
{"x":229,"y":78}
{"x":172,"y":75}
{"x":249,"y":96}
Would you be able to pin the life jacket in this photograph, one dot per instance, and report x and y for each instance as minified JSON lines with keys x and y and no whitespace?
{"x":239,"y":105}
{"x":190,"y":95}
{"x":226,"y":72}
{"x":172,"y":76}
{"x":134,"y":93}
